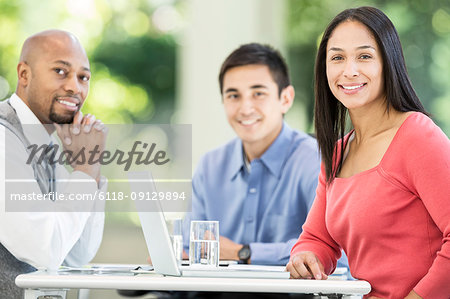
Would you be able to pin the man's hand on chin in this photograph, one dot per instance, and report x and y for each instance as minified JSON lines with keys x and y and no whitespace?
{"x":86,"y":135}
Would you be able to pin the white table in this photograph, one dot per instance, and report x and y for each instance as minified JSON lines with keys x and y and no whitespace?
{"x":43,"y":283}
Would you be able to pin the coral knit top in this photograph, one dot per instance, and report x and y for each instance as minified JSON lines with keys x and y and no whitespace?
{"x":393,"y":220}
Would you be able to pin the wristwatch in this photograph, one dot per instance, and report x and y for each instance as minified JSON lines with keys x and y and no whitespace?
{"x":244,"y":254}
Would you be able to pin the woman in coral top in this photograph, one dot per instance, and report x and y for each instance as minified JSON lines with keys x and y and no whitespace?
{"x":384,"y":189}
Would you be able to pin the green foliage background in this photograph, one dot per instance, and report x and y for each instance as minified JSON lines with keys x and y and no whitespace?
{"x":134,"y":63}
{"x":424,"y":29}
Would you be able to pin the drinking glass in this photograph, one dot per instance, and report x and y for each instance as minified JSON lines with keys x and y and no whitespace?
{"x":176,"y":236}
{"x":204,"y":244}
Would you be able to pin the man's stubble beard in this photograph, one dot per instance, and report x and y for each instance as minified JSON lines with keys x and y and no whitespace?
{"x":33,"y":97}
{"x":58,"y":118}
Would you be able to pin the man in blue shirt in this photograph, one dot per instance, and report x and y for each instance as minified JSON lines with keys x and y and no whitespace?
{"x":260,"y":185}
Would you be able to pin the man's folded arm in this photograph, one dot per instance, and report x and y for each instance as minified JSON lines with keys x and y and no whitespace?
{"x":56,"y":233}
{"x":89,"y":242}
{"x":271,"y":253}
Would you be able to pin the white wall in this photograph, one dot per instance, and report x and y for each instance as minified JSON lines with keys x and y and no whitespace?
{"x":214,"y":28}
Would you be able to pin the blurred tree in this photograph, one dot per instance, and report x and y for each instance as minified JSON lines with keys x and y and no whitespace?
{"x":9,"y":12}
{"x":132,"y":51}
{"x":424,"y":29}
{"x":148,"y":62}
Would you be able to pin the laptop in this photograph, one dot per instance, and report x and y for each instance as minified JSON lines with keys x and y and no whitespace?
{"x":161,"y":251}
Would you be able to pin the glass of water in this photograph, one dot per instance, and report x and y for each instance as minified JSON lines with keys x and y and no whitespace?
{"x":176,"y":237}
{"x":204,"y":244}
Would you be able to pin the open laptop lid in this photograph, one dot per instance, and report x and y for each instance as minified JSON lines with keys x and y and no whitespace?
{"x":160,"y":246}
{"x":154,"y":226}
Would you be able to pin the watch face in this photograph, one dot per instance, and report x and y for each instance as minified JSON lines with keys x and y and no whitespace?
{"x":244,"y":253}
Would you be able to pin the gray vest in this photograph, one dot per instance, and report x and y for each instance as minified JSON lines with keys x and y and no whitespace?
{"x":10,"y":267}
{"x":9,"y":119}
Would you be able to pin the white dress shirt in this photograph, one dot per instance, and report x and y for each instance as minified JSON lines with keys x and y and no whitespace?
{"x":47,"y":239}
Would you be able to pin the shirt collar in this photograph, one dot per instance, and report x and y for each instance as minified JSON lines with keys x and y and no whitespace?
{"x":237,"y":158}
{"x":273,"y":158}
{"x":36,"y":134}
{"x":247,"y":164}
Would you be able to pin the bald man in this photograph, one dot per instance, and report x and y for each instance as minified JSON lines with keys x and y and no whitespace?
{"x":53,"y":82}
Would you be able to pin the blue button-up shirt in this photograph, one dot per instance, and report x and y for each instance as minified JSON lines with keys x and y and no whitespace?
{"x":264,"y":206}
